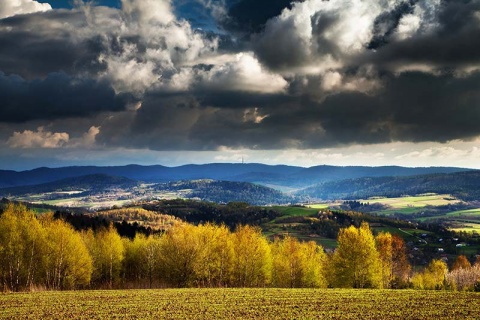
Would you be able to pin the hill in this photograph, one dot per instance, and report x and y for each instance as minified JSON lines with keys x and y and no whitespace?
{"x":92,"y":183}
{"x":463,"y":185}
{"x":100,"y":190}
{"x":278,"y":176}
{"x":228,"y":191}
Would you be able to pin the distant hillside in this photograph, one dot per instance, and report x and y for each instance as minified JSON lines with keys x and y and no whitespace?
{"x":108,"y":188}
{"x":463,"y":185}
{"x":93,"y":182}
{"x":279,"y":176}
{"x":228,"y":191}
{"x":318,"y":174}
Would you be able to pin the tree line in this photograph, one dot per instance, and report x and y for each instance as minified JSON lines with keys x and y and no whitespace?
{"x":47,"y":253}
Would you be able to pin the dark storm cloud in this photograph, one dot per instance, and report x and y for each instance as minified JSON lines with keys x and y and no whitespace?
{"x":251,"y":15}
{"x":56,"y":96}
{"x":412,"y":107}
{"x":37,"y":44}
{"x":312,"y":81}
{"x":434,"y":108}
{"x":386,"y":23}
{"x":450,"y":45}
{"x":239,"y":100}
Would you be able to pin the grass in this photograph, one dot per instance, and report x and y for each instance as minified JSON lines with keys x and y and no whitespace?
{"x":471,"y":213}
{"x":465,"y":226}
{"x":242,"y":304}
{"x":287,"y":211}
{"x":410,"y":205}
{"x":405,"y":205}
{"x":320,"y":205}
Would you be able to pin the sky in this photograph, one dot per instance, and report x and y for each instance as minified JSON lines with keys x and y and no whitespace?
{"x":302,"y":82}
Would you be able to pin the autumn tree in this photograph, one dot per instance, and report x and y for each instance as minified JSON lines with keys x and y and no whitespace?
{"x":141,"y":263}
{"x":214,"y":266}
{"x":464,"y":279}
{"x":433,"y":277}
{"x":253,"y":258}
{"x":297,"y":264}
{"x":401,"y":267}
{"x":461,"y":263}
{"x":21,"y":244}
{"x":107,"y":251}
{"x":67,"y":262}
{"x":179,"y":254}
{"x":463,"y":275}
{"x":385,"y":250}
{"x":133,"y":268}
{"x":356,"y":262}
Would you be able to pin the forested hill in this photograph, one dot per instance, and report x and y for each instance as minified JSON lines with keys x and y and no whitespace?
{"x":279,"y":176}
{"x":463,"y":185}
{"x":115,"y":188}
{"x":227,"y":191}
{"x":92,"y":182}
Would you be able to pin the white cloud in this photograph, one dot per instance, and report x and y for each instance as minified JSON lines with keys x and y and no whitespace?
{"x":245,"y":73}
{"x":51,"y":140}
{"x":163,"y":55}
{"x":88,"y":139}
{"x":315,"y":35}
{"x":129,"y":75}
{"x":10,"y":8}
{"x":38,"y":139}
{"x":146,"y":12}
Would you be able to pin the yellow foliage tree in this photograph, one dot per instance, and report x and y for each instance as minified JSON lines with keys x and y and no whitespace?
{"x":384,"y":247}
{"x":107,"y":251}
{"x":141,"y":263}
{"x":297,"y":264}
{"x":433,"y":277}
{"x":179,"y":254}
{"x":253,"y":258}
{"x":356,"y":262}
{"x":216,"y":257}
{"x":21,"y":244}
{"x":67,"y":262}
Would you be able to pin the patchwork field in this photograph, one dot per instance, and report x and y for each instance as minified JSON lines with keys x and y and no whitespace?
{"x":241,"y":304}
{"x":412,"y":204}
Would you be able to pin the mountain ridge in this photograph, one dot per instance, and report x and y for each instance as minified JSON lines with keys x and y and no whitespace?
{"x":272,"y":175}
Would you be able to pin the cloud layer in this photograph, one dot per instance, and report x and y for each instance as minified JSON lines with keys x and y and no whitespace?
{"x":303,"y":74}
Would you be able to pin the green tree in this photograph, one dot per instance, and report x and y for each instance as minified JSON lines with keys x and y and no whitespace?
{"x":356,"y":262}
